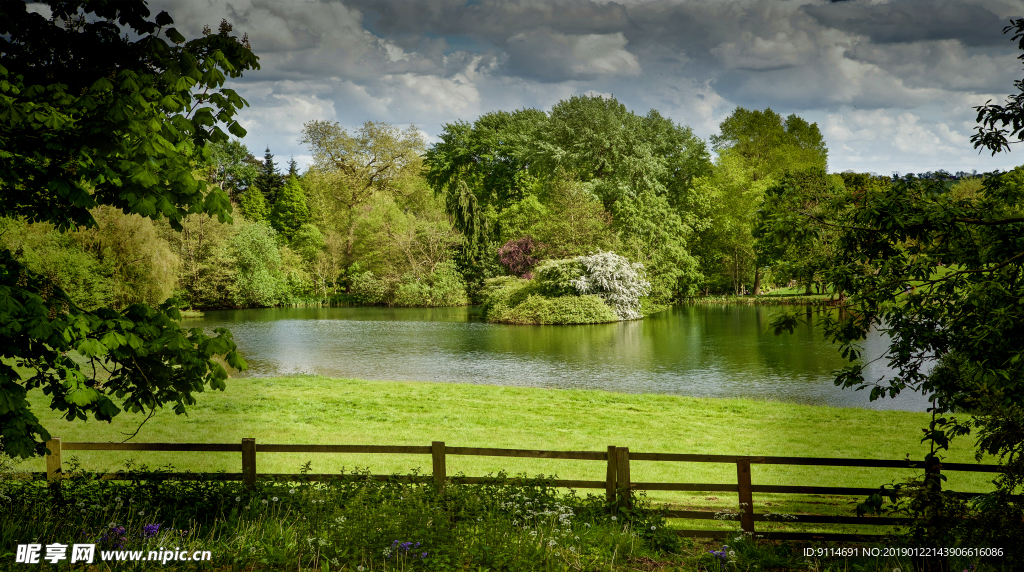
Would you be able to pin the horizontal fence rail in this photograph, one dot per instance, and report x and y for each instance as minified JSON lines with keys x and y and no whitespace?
{"x":617,"y":484}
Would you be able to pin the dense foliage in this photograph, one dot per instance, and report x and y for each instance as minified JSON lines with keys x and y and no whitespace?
{"x":99,"y":110}
{"x":351,"y":523}
{"x":937,"y":265}
{"x":597,"y":288}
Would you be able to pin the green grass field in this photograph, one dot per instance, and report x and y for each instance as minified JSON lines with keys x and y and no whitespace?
{"x":316,"y":410}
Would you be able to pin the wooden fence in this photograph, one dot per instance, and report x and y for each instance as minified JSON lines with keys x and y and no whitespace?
{"x":618,"y":484}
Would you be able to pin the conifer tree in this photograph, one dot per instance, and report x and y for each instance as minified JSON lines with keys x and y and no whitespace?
{"x":269,"y":180}
{"x":290,"y":211}
{"x":293,"y":168}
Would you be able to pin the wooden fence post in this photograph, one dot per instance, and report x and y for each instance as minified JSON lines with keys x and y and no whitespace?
{"x":746,"y":494}
{"x":249,"y":462}
{"x":440,"y":470}
{"x":610,"y":478}
{"x":622,"y":478}
{"x":53,"y":468}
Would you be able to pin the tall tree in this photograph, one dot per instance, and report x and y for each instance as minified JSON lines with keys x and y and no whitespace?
{"x":231,"y":167}
{"x":290,"y":211}
{"x":356,"y":166}
{"x":99,"y":105}
{"x":762,"y":146}
{"x":254,"y":205}
{"x":269,"y":180}
{"x":769,"y":144}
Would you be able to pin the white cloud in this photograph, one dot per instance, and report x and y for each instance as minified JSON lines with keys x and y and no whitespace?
{"x":886,"y":95}
{"x":552,"y":56}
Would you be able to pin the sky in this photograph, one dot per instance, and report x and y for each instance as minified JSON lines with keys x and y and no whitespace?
{"x":890,"y":83}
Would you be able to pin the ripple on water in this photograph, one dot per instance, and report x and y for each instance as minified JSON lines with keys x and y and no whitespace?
{"x":700,"y":351}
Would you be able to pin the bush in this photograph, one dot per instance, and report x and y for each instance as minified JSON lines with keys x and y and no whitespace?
{"x":511,"y":300}
{"x":558,"y":311}
{"x":367,"y":288}
{"x":442,"y":287}
{"x":616,"y":280}
{"x":519,"y":256}
{"x":554,"y":277}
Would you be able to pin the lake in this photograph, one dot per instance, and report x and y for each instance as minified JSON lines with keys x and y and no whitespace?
{"x":694,"y":350}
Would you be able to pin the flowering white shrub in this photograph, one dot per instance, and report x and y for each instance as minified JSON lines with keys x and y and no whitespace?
{"x":616,"y":280}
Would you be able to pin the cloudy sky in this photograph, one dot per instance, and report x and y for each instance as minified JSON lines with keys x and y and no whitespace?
{"x":890,"y":83}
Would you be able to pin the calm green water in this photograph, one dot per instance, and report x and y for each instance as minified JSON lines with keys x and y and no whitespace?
{"x":702,"y":351}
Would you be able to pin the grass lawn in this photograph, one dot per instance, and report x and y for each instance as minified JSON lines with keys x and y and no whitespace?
{"x":317,"y":410}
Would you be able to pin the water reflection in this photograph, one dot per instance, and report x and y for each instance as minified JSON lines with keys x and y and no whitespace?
{"x":703,"y":351}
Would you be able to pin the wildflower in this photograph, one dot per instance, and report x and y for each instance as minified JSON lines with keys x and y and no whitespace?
{"x":142,"y":512}
{"x":614,"y":518}
{"x":359,"y":569}
{"x":552,"y":542}
{"x":654,"y":528}
{"x":291,"y":491}
{"x":150,"y":530}
{"x":238,"y":499}
{"x":732,"y":554}
{"x":264,"y":501}
{"x":275,"y":499}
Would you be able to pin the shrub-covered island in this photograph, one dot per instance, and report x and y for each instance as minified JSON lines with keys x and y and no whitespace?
{"x":598,"y":288}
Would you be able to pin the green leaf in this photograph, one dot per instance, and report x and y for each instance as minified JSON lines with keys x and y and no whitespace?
{"x":103,"y":85}
{"x":173,"y":35}
{"x":83,"y":396}
{"x":91,"y":348}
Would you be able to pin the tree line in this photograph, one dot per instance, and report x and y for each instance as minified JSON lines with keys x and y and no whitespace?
{"x":380,"y":217}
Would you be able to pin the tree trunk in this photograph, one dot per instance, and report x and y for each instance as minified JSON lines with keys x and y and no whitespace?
{"x":807,"y":289}
{"x":757,"y":282}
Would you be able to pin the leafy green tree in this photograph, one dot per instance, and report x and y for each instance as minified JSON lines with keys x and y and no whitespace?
{"x":259,"y":280}
{"x":653,"y":234}
{"x":351,"y":168}
{"x":308,"y":241}
{"x":769,"y":144}
{"x":139,"y":262}
{"x":59,"y":259}
{"x":480,"y":170}
{"x":268,"y":179}
{"x":231,"y":167}
{"x":799,"y":250}
{"x":722,"y":210}
{"x":618,"y":153}
{"x":755,"y":149}
{"x":290,"y":211}
{"x":96,"y":108}
{"x":254,"y":206}
{"x":207,"y":275}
